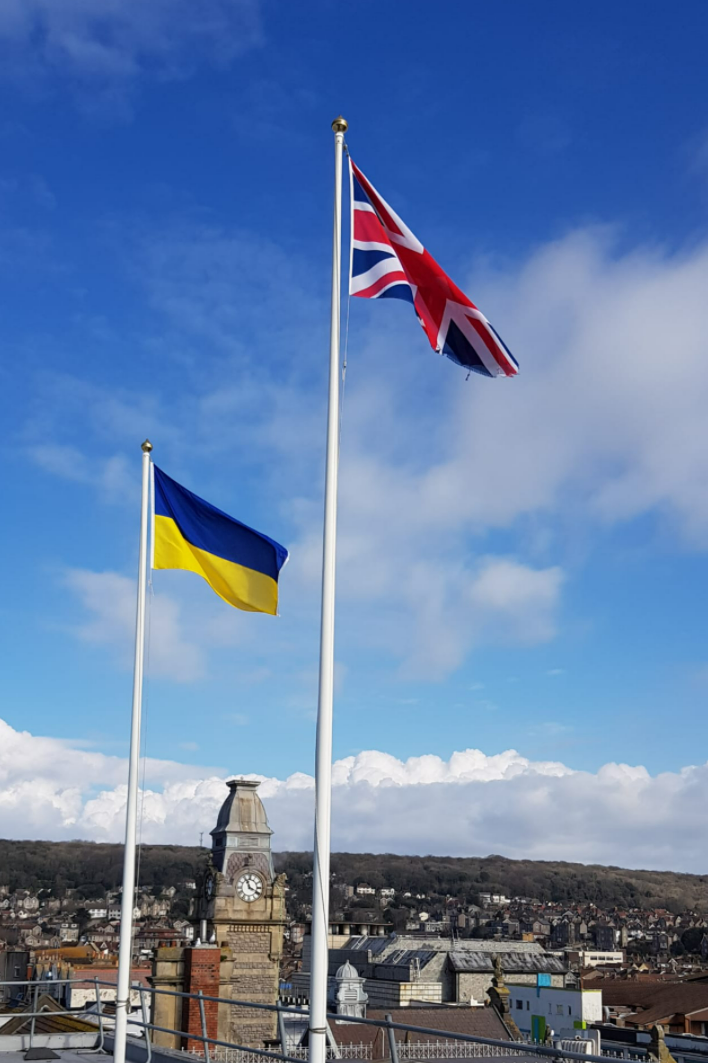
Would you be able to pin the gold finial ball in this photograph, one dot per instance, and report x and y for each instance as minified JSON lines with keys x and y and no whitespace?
{"x":146,"y":447}
{"x":340,"y":125}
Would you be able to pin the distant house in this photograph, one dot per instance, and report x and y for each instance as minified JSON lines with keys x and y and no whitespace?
{"x":605,"y":937}
{"x":489,"y":899}
{"x":363,"y":890}
{"x":563,"y":933}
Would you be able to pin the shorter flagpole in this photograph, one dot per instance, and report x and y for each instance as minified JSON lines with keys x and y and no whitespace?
{"x":125,"y":946}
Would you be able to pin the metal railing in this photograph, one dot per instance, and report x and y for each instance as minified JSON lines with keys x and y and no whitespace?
{"x":437,"y":1044}
{"x":361,"y":1051}
{"x":76,"y":1013}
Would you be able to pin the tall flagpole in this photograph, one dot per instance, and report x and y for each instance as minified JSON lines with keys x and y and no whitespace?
{"x":323,"y":760}
{"x":125,"y":946}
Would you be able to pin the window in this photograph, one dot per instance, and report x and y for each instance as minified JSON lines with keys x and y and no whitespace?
{"x":528,"y":1005}
{"x":550,"y":1009}
{"x":569,"y":1010}
{"x":559,"y":1009}
{"x":519,"y":1005}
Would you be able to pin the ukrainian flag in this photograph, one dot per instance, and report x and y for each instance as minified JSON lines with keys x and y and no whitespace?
{"x":240,"y":564}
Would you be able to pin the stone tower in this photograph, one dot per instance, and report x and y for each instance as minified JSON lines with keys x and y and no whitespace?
{"x":242,"y":902}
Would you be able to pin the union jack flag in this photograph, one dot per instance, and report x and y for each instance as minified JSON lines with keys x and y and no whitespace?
{"x":388,"y":262}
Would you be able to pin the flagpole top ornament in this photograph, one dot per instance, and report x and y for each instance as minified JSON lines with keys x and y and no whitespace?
{"x":146,"y":447}
{"x":340,"y":125}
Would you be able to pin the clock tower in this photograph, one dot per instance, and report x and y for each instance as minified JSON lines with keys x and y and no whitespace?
{"x":242,"y":902}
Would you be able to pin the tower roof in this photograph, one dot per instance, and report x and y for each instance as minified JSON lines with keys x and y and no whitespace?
{"x":242,"y":810}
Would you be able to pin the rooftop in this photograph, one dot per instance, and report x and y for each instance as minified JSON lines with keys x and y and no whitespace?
{"x":511,"y":960}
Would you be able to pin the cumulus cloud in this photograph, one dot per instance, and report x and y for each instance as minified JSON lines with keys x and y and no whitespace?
{"x":46,"y":783}
{"x":470,"y":804}
{"x":592,"y":422}
{"x":433,"y":467}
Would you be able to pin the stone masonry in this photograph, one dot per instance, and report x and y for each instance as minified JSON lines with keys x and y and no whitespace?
{"x":241,"y":909}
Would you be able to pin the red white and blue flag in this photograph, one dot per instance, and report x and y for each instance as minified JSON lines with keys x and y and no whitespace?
{"x":388,"y":262}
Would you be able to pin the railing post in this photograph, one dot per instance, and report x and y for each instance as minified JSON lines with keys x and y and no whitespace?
{"x":281,"y":1030}
{"x":34,"y":1013}
{"x":202,"y":1016}
{"x":146,"y":1028}
{"x":99,"y":1011}
{"x":393,"y":1049}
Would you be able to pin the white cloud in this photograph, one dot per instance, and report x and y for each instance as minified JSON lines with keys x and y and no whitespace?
{"x":111,"y":476}
{"x":592,"y":423}
{"x":432,"y":466}
{"x":469,"y":804}
{"x":110,"y":600}
{"x":105,"y":45}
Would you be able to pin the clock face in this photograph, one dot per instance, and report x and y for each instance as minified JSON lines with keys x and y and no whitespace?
{"x":249,"y":886}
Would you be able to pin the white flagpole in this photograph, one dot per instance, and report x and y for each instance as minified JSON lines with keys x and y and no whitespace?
{"x":323,"y":761}
{"x":131,"y":814}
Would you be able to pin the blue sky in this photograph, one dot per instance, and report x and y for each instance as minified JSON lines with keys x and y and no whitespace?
{"x":522,"y":563}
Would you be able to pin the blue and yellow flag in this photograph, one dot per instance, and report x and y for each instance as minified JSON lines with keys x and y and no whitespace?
{"x":240,"y":564}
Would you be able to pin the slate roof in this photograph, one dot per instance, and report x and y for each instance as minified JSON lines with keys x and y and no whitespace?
{"x":649,"y":1003}
{"x":470,"y":961}
{"x":429,"y":943}
{"x":406,"y":956}
{"x":474,"y":1022}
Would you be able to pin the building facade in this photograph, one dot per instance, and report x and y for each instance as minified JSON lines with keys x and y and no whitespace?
{"x":536,"y":1009}
{"x":240,"y":918}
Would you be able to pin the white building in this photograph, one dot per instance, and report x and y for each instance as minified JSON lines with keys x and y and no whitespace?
{"x":595,"y":957}
{"x":536,"y":1008}
{"x":82,"y":992}
{"x":487,"y":899}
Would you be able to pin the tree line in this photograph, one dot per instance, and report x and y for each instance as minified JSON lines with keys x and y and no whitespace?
{"x":92,"y":869}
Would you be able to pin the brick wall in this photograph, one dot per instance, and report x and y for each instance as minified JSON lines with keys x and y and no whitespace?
{"x":201,"y":972}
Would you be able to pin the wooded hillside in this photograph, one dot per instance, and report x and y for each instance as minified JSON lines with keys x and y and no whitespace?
{"x":93,"y":868}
